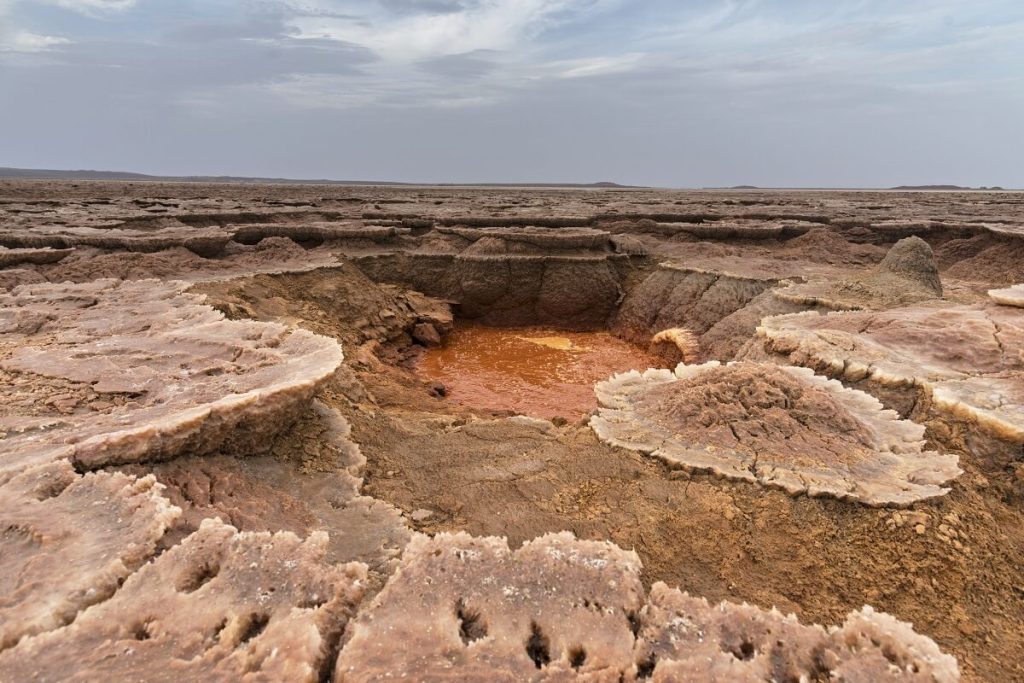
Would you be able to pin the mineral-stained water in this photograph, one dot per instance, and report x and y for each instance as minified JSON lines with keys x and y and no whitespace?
{"x":534,"y":371}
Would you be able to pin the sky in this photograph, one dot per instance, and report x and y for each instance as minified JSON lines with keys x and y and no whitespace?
{"x":670,"y":93}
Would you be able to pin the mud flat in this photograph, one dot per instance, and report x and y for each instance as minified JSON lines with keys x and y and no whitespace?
{"x":350,"y":433}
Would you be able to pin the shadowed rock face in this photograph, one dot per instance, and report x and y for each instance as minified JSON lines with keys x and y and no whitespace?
{"x":907,"y":274}
{"x":67,"y":541}
{"x":150,"y":372}
{"x":562,"y":609}
{"x":781,"y":426}
{"x":221,"y":605}
{"x":712,"y":306}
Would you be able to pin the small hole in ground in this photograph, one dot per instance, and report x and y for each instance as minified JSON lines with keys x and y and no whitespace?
{"x":634,"y":623}
{"x":141,"y":631}
{"x":538,"y":647}
{"x":198,"y":577}
{"x":645,"y":669}
{"x":471,"y":626}
{"x":255,"y":626}
{"x":577,"y":657}
{"x":744,"y":652}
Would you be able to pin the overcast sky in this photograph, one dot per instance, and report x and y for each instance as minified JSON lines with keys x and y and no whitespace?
{"x":680,"y":93}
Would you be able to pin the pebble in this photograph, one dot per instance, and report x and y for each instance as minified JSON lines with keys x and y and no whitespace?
{"x":919,"y":529}
{"x":421,"y":515}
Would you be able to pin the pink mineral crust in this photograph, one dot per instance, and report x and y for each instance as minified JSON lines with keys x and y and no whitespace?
{"x":150,"y":372}
{"x":461,"y":608}
{"x":1010,"y":296}
{"x":220,"y":606}
{"x":465,"y":608}
{"x":311,"y":481}
{"x":683,"y":638}
{"x":68,"y":541}
{"x":970,"y":359}
{"x":778,"y":425}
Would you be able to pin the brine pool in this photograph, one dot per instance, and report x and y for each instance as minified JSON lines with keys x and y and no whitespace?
{"x":533,"y":371}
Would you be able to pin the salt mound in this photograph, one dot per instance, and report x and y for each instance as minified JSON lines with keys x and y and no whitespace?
{"x":69,"y":540}
{"x":968,"y":359}
{"x":221,"y":605}
{"x":780,"y":426}
{"x":469,"y":609}
{"x":112,"y":372}
{"x":907,"y":274}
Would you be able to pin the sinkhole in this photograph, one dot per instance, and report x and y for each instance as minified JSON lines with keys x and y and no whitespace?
{"x":536,"y":371}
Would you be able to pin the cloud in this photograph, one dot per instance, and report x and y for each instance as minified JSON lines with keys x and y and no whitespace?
{"x":93,"y":6}
{"x":544,"y":85}
{"x":27,"y":42}
{"x":409,"y":31}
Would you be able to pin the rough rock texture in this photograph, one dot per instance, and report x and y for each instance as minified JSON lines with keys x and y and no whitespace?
{"x":683,"y":638}
{"x":310,"y":482}
{"x":10,"y":257}
{"x":313,"y":232}
{"x":68,"y":541}
{"x":575,"y":292}
{"x":562,"y":609}
{"x":1010,"y":296}
{"x":525,"y":240}
{"x":271,"y":255}
{"x":967,"y":359}
{"x":148,"y":372}
{"x":677,"y":343}
{"x":676,"y":296}
{"x":780,"y":426}
{"x":206,"y":243}
{"x":221,"y":605}
{"x":908,"y":274}
{"x":552,"y":608}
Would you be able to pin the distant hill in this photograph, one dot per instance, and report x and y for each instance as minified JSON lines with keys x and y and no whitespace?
{"x":54,"y":174}
{"x":943,"y":187}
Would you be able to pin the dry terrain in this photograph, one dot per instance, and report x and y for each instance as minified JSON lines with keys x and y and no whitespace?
{"x":353,"y":433}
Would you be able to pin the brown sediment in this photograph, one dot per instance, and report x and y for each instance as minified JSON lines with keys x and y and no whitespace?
{"x":532,"y":371}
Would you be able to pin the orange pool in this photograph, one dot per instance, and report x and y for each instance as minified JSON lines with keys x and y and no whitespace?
{"x":531,"y":371}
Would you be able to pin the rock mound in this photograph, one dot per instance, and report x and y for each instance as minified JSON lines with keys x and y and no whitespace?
{"x":907,"y":274}
{"x":780,"y":426}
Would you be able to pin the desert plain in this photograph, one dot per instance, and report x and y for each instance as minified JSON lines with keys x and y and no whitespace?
{"x":351,"y":433}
